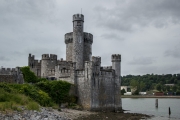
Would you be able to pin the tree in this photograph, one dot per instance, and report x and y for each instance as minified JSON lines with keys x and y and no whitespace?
{"x":158,"y":87}
{"x":174,"y":88}
{"x":163,"y":88}
{"x":168,"y":88}
{"x":141,"y":85}
{"x":123,"y":91}
{"x":134,"y":84}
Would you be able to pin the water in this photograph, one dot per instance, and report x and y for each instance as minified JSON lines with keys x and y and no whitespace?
{"x":147,"y":106}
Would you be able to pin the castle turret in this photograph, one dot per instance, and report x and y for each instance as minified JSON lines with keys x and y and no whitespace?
{"x":48,"y":64}
{"x":78,"y":42}
{"x":116,"y":65}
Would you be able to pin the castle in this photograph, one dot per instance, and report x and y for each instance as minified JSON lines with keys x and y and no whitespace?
{"x":97,"y":87}
{"x":11,"y":75}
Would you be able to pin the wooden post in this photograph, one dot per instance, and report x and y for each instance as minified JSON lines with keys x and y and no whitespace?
{"x":156,"y":104}
{"x":169,"y":111}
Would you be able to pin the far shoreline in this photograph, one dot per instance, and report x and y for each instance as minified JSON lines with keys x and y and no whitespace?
{"x":148,"y":96}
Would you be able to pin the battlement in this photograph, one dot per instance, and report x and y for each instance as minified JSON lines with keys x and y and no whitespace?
{"x":68,"y":37}
{"x":78,"y":17}
{"x":48,"y":57}
{"x":88,"y":38}
{"x":106,"y":73}
{"x":8,"y":71}
{"x":96,"y":60}
{"x":106,"y":68}
{"x":31,"y":56}
{"x":116,"y":58}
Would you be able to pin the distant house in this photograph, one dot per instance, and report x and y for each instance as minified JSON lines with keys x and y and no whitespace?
{"x":128,"y":90}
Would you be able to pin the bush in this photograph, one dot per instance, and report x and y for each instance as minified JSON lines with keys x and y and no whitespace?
{"x":57,"y":90}
{"x":29,"y":90}
{"x":29,"y":76}
{"x":36,"y":94}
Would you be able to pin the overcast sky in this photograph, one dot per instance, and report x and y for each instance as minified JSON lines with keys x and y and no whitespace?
{"x":145,"y":32}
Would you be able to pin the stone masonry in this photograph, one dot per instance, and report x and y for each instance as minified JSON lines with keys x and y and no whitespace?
{"x":11,"y":75}
{"x":97,"y":87}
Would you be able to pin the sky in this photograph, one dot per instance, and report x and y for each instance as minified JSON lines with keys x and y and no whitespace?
{"x":145,"y":32}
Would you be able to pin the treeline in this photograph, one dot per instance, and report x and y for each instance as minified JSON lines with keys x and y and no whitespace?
{"x":153,"y":82}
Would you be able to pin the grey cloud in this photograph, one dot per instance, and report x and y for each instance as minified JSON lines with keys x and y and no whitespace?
{"x":170,"y":69}
{"x":2,"y":58}
{"x":142,"y":61}
{"x":127,"y":16}
{"x":111,"y":36}
{"x":173,"y":53}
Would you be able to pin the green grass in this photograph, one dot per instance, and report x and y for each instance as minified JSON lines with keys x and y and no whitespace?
{"x":32,"y":106}
{"x":12,"y":101}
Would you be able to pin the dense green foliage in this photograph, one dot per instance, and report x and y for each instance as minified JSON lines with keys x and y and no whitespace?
{"x":10,"y":99}
{"x":46,"y":93}
{"x":150,"y":82}
{"x":29,"y":90}
{"x":57,"y":90}
{"x":29,"y":76}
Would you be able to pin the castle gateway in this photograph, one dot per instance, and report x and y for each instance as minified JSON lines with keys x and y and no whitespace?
{"x":98,"y":88}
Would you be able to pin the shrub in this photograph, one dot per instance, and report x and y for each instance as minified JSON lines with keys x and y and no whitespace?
{"x":29,"y":76}
{"x":57,"y":90}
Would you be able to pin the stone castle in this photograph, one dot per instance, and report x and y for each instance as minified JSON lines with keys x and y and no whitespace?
{"x":97,"y":87}
{"x":11,"y":75}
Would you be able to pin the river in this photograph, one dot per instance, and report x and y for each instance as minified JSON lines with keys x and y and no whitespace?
{"x":147,"y":106}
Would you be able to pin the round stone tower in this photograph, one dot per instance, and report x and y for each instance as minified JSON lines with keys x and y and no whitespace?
{"x":78,"y":42}
{"x":116,"y":65}
{"x":48,"y":64}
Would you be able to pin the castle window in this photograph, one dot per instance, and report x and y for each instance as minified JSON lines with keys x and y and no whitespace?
{"x":78,"y":23}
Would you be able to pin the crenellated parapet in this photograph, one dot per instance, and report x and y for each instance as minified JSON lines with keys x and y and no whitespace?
{"x":106,"y":68}
{"x":11,"y":75}
{"x":116,"y":58}
{"x":68,"y":37}
{"x":49,"y":57}
{"x":78,"y":17}
{"x":96,"y":60}
{"x":88,"y":38}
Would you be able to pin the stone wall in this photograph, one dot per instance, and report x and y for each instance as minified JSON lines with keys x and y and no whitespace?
{"x":48,"y":64}
{"x":11,"y":75}
{"x":69,"y":45}
{"x":35,"y":65}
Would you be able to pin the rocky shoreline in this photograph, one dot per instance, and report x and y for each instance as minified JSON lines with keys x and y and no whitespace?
{"x":68,"y":114}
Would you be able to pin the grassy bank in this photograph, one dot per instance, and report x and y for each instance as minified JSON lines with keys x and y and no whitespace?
{"x":31,"y":96}
{"x":12,"y":101}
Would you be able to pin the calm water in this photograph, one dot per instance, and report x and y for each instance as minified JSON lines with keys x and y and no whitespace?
{"x":147,"y":106}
